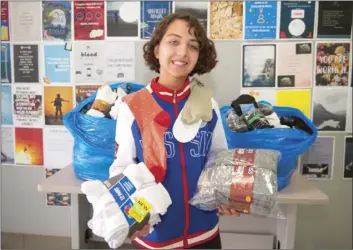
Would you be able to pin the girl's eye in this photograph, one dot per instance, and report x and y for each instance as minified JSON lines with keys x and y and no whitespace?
{"x":194,"y":47}
{"x":174,"y":42}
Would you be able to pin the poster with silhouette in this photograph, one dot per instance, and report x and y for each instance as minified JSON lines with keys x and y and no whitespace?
{"x":26,"y":65}
{"x":259,"y":65}
{"x":123,"y":19}
{"x":5,"y":21}
{"x":317,"y":162}
{"x":6,"y":105}
{"x":348,"y":157}
{"x":89,"y":20}
{"x":330,"y":108}
{"x":197,"y":9}
{"x":58,"y":100}
{"x":57,"y":64}
{"x":7,"y":153}
{"x":332,"y":63}
{"x":29,"y":146}
{"x":28,"y":106}
{"x":6,"y":63}
{"x":54,"y":198}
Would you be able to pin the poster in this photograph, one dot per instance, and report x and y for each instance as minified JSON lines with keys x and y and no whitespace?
{"x":317,"y":161}
{"x":335,"y":19}
{"x":89,"y":62}
{"x":56,"y":20}
{"x":57,"y":102}
{"x":332,"y":64}
{"x":26,"y":21}
{"x":27,"y":105}
{"x":226,"y":20}
{"x":348,"y":158}
{"x":85,"y":91}
{"x":260,"y":20}
{"x":6,"y":63}
{"x":7,"y":155}
{"x":29,"y":146}
{"x":296,"y":64}
{"x":298,"y":98}
{"x":6,"y":105}
{"x":26,"y":63}
{"x":120,"y":61}
{"x":5,"y":24}
{"x":152,"y":13}
{"x":261,"y":95}
{"x":197,"y":9}
{"x":259,"y":63}
{"x":58,"y":147}
{"x":53,"y":198}
{"x":297,"y":19}
{"x":89,"y":20}
{"x":123,"y":19}
{"x":349,"y":111}
{"x":330,"y":108}
{"x":57,"y":64}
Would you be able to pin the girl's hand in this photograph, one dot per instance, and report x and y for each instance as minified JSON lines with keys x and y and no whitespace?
{"x":143,"y":232}
{"x":223,"y":210}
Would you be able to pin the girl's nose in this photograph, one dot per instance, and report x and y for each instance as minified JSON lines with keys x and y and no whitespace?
{"x":182,"y":50}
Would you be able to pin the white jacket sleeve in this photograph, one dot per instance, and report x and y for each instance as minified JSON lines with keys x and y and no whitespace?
{"x":219,"y":140}
{"x":125,"y":144}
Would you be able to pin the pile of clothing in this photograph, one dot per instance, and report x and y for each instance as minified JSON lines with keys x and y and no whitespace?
{"x":247,"y":115}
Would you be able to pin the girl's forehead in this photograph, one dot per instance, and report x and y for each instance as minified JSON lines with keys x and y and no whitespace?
{"x":180,"y":28}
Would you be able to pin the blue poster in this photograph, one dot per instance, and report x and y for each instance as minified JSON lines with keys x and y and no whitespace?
{"x":5,"y":63}
{"x":151,"y":13}
{"x":6,"y":105}
{"x":260,"y":20}
{"x":57,"y":64}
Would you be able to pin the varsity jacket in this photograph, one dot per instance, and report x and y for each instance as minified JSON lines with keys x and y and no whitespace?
{"x":144,"y":132}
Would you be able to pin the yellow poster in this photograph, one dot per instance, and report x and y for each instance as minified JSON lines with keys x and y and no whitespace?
{"x":300,"y":99}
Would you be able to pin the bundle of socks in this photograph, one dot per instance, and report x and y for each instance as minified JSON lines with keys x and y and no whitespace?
{"x":114,"y":200}
{"x":242,"y":179}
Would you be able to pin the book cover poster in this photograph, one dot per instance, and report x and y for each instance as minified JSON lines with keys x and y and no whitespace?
{"x":335,"y":19}
{"x":259,"y":63}
{"x":298,"y":98}
{"x":5,"y":24}
{"x":226,"y":20}
{"x":29,"y":146}
{"x":120,"y":61}
{"x":297,"y":19}
{"x":348,"y":158}
{"x":332,"y":64}
{"x":6,"y":105}
{"x":89,"y":62}
{"x":89,"y":20}
{"x":197,"y":9}
{"x":26,"y":21}
{"x":330,"y":109}
{"x":27,"y":104}
{"x":295,"y":67}
{"x":123,"y":19}
{"x":57,"y":64}
{"x":5,"y":63}
{"x":260,"y":20}
{"x":56,"y":20}
{"x":58,"y":100}
{"x":85,"y":91}
{"x":7,"y":154}
{"x":152,"y":13}
{"x":317,"y":161}
{"x":54,"y":198}
{"x":26,"y":63}
{"x":349,"y":112}
{"x":267,"y":95}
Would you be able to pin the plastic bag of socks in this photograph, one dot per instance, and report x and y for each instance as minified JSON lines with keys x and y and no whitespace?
{"x":242,"y":179}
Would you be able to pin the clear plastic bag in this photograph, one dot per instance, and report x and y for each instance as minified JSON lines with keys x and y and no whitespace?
{"x":242,"y":179}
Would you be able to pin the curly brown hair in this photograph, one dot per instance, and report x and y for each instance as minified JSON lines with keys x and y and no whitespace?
{"x":207,"y":53}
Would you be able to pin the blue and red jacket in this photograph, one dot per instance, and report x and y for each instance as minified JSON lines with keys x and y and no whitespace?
{"x":144,"y":131}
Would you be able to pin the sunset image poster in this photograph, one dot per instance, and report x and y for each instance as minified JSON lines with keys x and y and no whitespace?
{"x":29,"y":146}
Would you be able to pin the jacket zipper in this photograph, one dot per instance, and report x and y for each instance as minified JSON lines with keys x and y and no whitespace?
{"x":185,"y":184}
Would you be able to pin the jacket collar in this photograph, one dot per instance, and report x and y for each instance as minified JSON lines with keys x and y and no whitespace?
{"x":168,"y":94}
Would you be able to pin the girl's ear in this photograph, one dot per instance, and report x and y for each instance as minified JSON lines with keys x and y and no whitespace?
{"x":156,"y":51}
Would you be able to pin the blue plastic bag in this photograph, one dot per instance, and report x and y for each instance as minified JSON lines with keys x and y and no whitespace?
{"x":94,"y":138}
{"x":291,"y":143}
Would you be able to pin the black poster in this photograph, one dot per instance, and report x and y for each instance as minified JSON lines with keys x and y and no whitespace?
{"x":335,"y":19}
{"x":26,"y":63}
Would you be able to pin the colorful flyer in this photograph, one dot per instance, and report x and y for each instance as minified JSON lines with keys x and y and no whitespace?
{"x":297,"y":19}
{"x":7,"y":154}
{"x":56,"y":199}
{"x":89,"y":20}
{"x":29,"y":146}
{"x":5,"y":24}
{"x":298,"y":98}
{"x":57,"y":64}
{"x":85,"y":91}
{"x":26,"y":63}
{"x":6,"y":63}
{"x":260,"y":20}
{"x":6,"y":105}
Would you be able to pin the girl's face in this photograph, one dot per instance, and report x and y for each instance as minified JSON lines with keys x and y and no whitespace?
{"x":177,"y":52}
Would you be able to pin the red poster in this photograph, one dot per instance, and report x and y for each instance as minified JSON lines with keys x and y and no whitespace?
{"x":5,"y":32}
{"x":29,"y":146}
{"x":89,"y":20}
